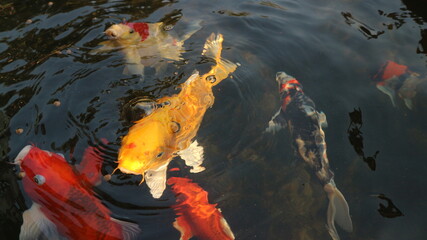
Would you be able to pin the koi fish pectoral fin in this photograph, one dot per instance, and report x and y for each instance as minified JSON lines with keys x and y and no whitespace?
{"x":191,"y":29}
{"x":276,"y":123}
{"x":134,"y":69}
{"x":193,"y":157}
{"x":390,"y":92}
{"x":409,"y":103}
{"x":183,"y":227}
{"x":90,"y":166}
{"x":338,"y":211}
{"x":156,"y":180}
{"x":37,"y":226}
{"x":129,"y":230}
{"x":322,"y":119}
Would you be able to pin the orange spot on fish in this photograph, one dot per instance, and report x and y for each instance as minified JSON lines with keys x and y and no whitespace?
{"x":131,"y":145}
{"x":174,"y":169}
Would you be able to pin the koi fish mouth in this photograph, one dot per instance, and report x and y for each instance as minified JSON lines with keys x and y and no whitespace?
{"x":22,"y":154}
{"x":111,"y":34}
{"x":127,"y":171}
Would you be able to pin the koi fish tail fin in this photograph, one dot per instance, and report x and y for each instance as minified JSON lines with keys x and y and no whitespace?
{"x":213,"y":49}
{"x":338,"y":211}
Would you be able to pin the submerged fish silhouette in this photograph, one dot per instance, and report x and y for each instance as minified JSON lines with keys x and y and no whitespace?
{"x":170,"y":129}
{"x":64,"y":206}
{"x":196,"y":216}
{"x":397,"y":80}
{"x":306,"y":124}
{"x":145,"y":45}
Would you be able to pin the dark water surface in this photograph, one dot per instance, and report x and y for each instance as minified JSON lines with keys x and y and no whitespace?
{"x":264,"y":192}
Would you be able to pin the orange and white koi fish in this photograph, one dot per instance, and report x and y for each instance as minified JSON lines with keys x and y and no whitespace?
{"x":145,"y":44}
{"x":305,"y":123}
{"x":64,"y":205}
{"x":196,"y":216}
{"x":170,"y":129}
{"x":396,"y":79}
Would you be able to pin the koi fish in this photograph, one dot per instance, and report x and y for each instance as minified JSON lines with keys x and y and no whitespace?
{"x":196,"y":216}
{"x":306,"y":124}
{"x":64,"y":206}
{"x":170,"y":129}
{"x":396,"y":79}
{"x":145,"y":44}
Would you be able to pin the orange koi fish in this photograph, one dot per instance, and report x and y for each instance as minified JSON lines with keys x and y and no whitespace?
{"x":396,"y":79}
{"x":145,"y":44}
{"x":306,"y":124}
{"x":170,"y":129}
{"x":196,"y":216}
{"x":64,"y":205}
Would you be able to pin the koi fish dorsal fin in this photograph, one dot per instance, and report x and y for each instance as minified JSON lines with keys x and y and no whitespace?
{"x":37,"y":226}
{"x":338,"y":211}
{"x":213,"y":49}
{"x":129,"y":230}
{"x":276,"y":123}
{"x":90,"y":166}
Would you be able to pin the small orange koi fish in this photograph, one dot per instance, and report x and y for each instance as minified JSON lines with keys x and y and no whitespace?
{"x":196,"y":216}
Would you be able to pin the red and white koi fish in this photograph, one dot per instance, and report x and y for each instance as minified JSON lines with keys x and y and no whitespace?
{"x":145,"y":44}
{"x":64,"y":205}
{"x":196,"y":216}
{"x":396,"y":79}
{"x":305,"y":124}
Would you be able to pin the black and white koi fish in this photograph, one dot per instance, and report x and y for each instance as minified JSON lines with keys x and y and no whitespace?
{"x":305,"y":124}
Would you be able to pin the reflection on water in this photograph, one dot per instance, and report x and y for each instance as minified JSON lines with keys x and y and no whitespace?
{"x":389,"y":211}
{"x":333,"y":47}
{"x":356,"y":138}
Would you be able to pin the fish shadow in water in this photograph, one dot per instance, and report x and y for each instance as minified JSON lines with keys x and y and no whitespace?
{"x":356,"y":138}
{"x":391,"y":211}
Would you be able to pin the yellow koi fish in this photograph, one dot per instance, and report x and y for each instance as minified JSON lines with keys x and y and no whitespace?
{"x":145,"y":44}
{"x":170,"y":129}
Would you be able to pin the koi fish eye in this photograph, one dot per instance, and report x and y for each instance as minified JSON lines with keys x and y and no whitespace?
{"x":168,"y":27}
{"x":131,"y":31}
{"x":39,"y":179}
{"x":160,"y":154}
{"x":211,"y":78}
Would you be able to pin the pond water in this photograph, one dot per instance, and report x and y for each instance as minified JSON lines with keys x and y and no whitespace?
{"x":264,"y":191}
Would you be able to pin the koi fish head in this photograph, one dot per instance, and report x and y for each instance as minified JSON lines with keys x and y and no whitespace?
{"x":44,"y":172}
{"x":287,"y":83}
{"x":145,"y":147}
{"x":135,"y":32}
